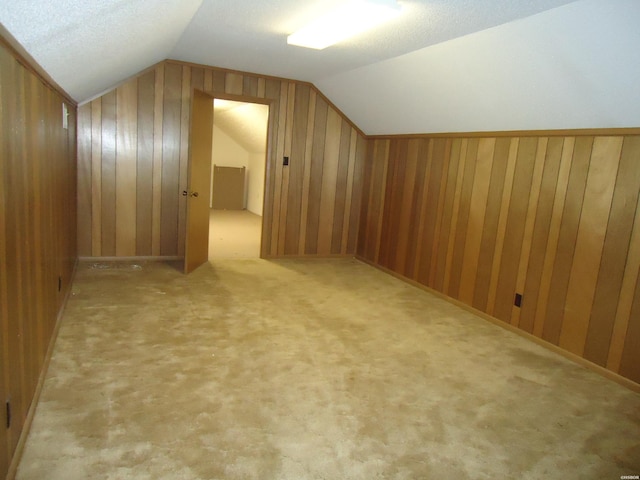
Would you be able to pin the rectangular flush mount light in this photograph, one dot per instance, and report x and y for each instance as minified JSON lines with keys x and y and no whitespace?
{"x":348,"y":20}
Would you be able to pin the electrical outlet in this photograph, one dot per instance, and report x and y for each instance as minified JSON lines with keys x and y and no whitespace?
{"x":518,"y":300}
{"x":285,"y":161}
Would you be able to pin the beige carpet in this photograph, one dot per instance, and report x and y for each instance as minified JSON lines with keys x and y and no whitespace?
{"x":310,"y":369}
{"x":234,"y":234}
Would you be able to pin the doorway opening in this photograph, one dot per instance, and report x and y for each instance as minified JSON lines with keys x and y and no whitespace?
{"x":238,"y":166}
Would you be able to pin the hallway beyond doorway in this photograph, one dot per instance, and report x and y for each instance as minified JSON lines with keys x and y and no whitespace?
{"x":234,"y":234}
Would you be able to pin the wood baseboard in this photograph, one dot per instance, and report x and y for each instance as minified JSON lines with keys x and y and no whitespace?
{"x":171,"y":258}
{"x":314,"y":256}
{"x":625,"y":382}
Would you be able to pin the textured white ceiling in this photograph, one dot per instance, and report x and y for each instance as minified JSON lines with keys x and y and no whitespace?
{"x":445,"y":65}
{"x":250,"y":35}
{"x":89,"y":46}
{"x":246,"y":123}
{"x":577,"y":66}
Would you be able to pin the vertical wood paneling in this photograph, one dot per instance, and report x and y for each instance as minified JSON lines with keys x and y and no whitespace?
{"x":188,"y":83}
{"x":233,"y":83}
{"x":630,"y":276}
{"x":126,"y":163}
{"x":37,"y":230}
{"x":307,"y":172}
{"x":393,"y":194}
{"x":340,"y":197}
{"x":554,"y":218}
{"x":144,"y":167}
{"x":84,"y":179}
{"x":273,"y":92}
{"x":541,"y":233}
{"x":422,"y":254}
{"x":502,"y":225}
{"x":219,"y":81}
{"x":454,"y":239}
{"x":523,"y":267}
{"x":490,"y":227}
{"x":250,"y":86}
{"x":567,"y":239}
{"x":372,"y":217}
{"x":348,"y":219}
{"x":554,"y":235}
{"x":171,"y":135}
{"x":297,"y":162}
{"x":462,"y":216}
{"x":398,"y":258}
{"x":630,"y":361}
{"x":279,"y":147}
{"x":439,"y":213}
{"x":158,"y":122}
{"x":442,"y":241}
{"x":477,"y":210}
{"x":108,"y":175}
{"x":618,"y":253}
{"x":592,"y":230}
{"x":516,"y":219}
{"x":309,"y":205}
{"x":96,"y":180}
{"x":414,"y":245}
{"x":329,"y":181}
{"x":315,"y":185}
{"x":438,"y":152}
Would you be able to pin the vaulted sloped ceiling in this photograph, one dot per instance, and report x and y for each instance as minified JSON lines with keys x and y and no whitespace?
{"x":576,"y":66}
{"x":445,"y":65}
{"x":246,"y":123}
{"x":90,"y":46}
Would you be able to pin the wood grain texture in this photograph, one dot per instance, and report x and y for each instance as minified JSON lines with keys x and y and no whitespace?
{"x":552,"y":217}
{"x":630,"y":360}
{"x":490,"y":226}
{"x":126,"y":166}
{"x":191,"y":79}
{"x":617,"y":254}
{"x":592,"y":229}
{"x":475,"y":224}
{"x":554,"y":235}
{"x":329,"y":181}
{"x":108,"y":175}
{"x":537,"y":232}
{"x":631,"y":151}
{"x":516,"y":220}
{"x":37,"y":230}
{"x":84,"y":178}
{"x":137,"y":208}
{"x":415,"y":247}
{"x":96,"y":179}
{"x":144,"y":167}
{"x":567,"y":240}
{"x":502,"y":225}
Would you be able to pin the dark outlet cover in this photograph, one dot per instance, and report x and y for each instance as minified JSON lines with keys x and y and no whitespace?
{"x":518,"y":300}
{"x":285,"y":161}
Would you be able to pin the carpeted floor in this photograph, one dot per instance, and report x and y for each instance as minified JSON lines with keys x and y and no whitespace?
{"x":234,"y":234}
{"x":310,"y":369}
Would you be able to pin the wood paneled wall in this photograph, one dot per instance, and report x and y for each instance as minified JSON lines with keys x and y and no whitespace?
{"x":133,"y":158}
{"x":37,"y":232}
{"x":554,"y":218}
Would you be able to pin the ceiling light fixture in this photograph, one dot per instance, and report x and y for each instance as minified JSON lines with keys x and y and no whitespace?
{"x":344,"y":22}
